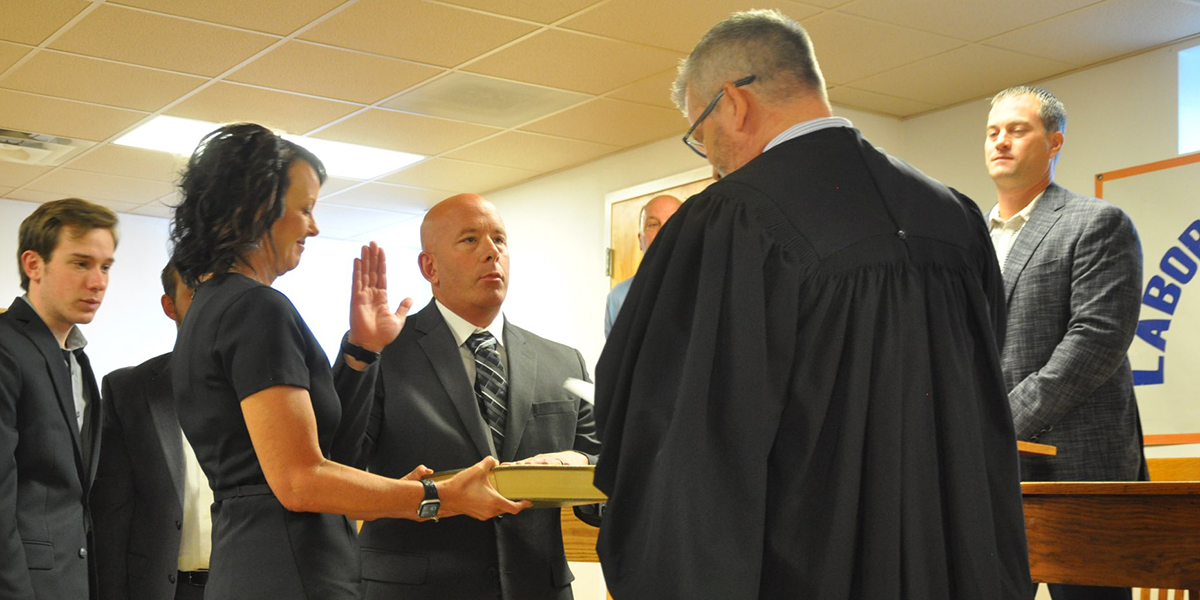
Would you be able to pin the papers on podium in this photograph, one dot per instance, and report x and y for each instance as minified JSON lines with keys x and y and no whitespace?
{"x":547,"y":486}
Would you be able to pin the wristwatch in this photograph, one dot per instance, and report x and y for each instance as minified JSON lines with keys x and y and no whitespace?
{"x":430,"y":505}
{"x":359,"y":352}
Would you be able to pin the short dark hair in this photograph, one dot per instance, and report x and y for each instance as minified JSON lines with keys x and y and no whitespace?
{"x":233,"y":191}
{"x":764,"y":43}
{"x":40,"y":231}
{"x":168,"y":279}
{"x":1050,"y":109}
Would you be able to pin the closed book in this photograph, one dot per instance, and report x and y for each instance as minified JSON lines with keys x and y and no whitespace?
{"x":547,"y":486}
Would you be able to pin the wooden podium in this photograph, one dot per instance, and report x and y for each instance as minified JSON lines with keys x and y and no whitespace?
{"x":1139,"y":534}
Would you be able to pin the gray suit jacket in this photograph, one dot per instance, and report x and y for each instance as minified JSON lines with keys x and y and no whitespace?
{"x":1073,"y":281}
{"x":425,"y":412}
{"x":45,"y":477}
{"x":137,"y":500}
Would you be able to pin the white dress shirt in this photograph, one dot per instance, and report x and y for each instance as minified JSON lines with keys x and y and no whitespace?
{"x":195,"y":546}
{"x":1005,"y":231}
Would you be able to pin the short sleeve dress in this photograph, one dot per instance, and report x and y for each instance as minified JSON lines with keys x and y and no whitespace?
{"x":241,"y":337}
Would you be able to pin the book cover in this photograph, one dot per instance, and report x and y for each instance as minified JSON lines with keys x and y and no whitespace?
{"x":547,"y":486}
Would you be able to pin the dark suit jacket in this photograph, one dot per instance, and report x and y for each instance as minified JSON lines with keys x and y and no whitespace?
{"x":425,"y":412}
{"x":44,"y":476}
{"x":1073,"y":280}
{"x":137,"y":500}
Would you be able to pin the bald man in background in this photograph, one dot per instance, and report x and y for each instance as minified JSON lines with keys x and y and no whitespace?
{"x":654,"y":215}
{"x":458,"y":384}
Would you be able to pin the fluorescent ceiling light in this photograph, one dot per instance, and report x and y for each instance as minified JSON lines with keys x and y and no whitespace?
{"x":181,"y":136}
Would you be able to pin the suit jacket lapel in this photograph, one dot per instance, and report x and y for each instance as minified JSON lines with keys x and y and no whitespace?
{"x":522,"y":373}
{"x":94,"y":420}
{"x":157,"y":394}
{"x":60,"y":375}
{"x":1043,"y":218}
{"x":438,"y":344}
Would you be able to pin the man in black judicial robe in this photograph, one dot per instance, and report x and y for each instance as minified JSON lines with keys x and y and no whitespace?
{"x":803,"y":398}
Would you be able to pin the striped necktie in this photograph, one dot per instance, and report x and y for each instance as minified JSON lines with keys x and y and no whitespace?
{"x":491,"y":387}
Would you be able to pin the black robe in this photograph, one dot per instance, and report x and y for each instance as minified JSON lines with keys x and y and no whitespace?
{"x":802,"y":397}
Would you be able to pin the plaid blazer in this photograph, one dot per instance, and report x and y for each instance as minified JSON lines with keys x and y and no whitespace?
{"x":1073,"y":281}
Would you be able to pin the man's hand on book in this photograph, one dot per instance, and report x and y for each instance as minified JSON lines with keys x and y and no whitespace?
{"x":566,"y":457}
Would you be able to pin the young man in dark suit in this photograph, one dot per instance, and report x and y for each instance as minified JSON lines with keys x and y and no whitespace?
{"x":50,"y":409}
{"x":458,"y":384}
{"x":1073,"y":279}
{"x":151,"y":502}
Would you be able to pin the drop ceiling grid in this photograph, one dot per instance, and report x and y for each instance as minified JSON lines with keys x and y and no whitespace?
{"x":879,"y":91}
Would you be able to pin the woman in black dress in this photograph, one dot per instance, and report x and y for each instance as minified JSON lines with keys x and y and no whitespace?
{"x":255,"y":393}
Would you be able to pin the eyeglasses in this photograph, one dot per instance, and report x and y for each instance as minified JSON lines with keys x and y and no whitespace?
{"x":696,"y":145}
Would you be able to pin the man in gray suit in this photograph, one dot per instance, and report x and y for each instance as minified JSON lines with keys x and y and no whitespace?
{"x":1072,"y":270}
{"x":151,"y":501}
{"x":50,"y":408}
{"x":458,"y":384}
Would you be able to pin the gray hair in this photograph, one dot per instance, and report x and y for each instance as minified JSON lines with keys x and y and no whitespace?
{"x":764,"y":43}
{"x":1050,"y":109}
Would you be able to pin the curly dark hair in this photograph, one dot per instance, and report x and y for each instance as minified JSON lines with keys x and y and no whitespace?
{"x":233,"y":192}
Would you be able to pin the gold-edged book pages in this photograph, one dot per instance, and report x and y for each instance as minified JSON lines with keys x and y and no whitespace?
{"x":547,"y":486}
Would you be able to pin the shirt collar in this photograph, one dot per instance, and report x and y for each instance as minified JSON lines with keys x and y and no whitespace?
{"x":1020,"y":218}
{"x":807,"y":127}
{"x":462,"y":329}
{"x":75,"y":340}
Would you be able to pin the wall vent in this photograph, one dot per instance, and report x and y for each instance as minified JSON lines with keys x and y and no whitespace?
{"x":38,"y":149}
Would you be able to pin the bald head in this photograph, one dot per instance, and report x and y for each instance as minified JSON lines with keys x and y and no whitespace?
{"x":654,"y":215}
{"x":464,"y":256}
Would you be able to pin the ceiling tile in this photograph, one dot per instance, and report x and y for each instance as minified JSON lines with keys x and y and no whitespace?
{"x":4,"y":191}
{"x":972,"y":21}
{"x":115,"y":205}
{"x":332,"y":72}
{"x":956,"y":75}
{"x":15,"y":175}
{"x":10,"y":54}
{"x":531,"y":151}
{"x":575,"y":62}
{"x":345,"y":222}
{"x":485,"y":100}
{"x":613,"y":122}
{"x":542,"y":11}
{"x":92,"y":80}
{"x":39,"y":114}
{"x":1107,"y":30}
{"x":828,"y":3}
{"x":31,"y":22}
{"x":231,"y":102}
{"x":879,"y":103}
{"x":153,"y":40}
{"x":458,"y":176}
{"x":404,"y":132}
{"x":126,"y":190}
{"x":336,"y":184}
{"x":646,"y":23}
{"x":382,"y":196}
{"x":279,"y":17}
{"x":849,"y":48}
{"x":158,"y":208}
{"x":416,"y":30}
{"x":654,"y":90}
{"x":28,"y":195}
{"x":127,"y":161}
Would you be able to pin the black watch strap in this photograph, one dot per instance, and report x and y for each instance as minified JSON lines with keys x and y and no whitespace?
{"x":430,"y":489}
{"x":359,"y":352}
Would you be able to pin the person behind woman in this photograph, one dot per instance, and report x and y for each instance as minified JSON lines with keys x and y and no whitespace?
{"x":255,"y":393}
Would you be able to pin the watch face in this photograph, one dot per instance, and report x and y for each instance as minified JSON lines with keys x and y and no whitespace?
{"x":428,"y":509}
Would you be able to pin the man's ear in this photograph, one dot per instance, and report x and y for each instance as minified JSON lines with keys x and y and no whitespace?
{"x":428,"y":267}
{"x":739,"y":101}
{"x":1056,"y":143}
{"x":32,"y":264}
{"x":168,"y":307}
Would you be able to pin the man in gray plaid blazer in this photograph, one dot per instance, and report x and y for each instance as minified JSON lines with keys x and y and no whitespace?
{"x":1072,"y":270}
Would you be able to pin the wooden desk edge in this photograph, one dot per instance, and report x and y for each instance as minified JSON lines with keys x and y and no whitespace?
{"x":1110,"y":488}
{"x":1032,"y":449}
